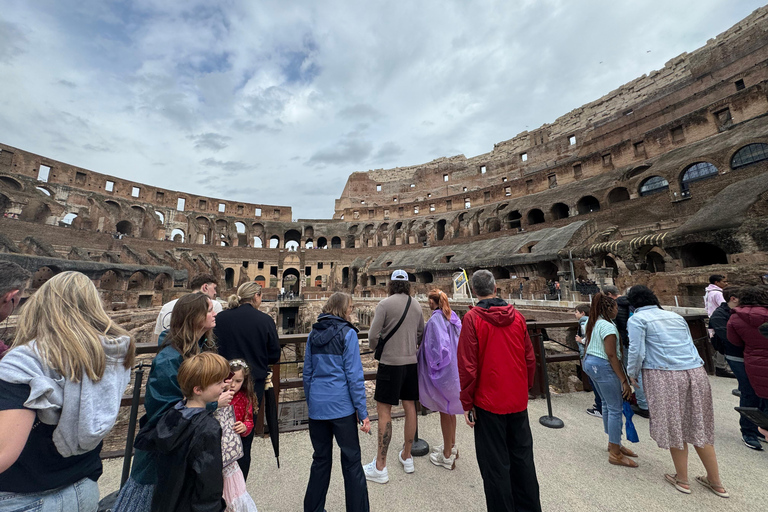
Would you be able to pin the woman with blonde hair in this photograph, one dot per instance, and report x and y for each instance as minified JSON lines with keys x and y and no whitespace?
{"x":439,"y":386}
{"x":244,"y":332}
{"x":334,"y":386}
{"x":60,"y":390}
{"x":191,"y":332}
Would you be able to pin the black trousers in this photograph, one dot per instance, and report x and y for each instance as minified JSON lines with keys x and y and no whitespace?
{"x":245,"y":461}
{"x":322,"y":432}
{"x":504,"y":448}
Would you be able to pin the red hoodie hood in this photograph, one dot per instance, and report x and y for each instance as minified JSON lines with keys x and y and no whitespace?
{"x":755,"y":316}
{"x":498,"y":316}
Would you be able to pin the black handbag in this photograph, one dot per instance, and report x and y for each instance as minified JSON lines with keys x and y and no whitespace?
{"x":383,"y":340}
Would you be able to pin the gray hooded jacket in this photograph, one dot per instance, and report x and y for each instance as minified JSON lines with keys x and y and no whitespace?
{"x":84,"y":411}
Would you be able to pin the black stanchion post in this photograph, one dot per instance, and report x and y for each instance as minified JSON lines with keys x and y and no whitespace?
{"x":420,"y":447}
{"x":548,"y":421}
{"x":132,"y":423}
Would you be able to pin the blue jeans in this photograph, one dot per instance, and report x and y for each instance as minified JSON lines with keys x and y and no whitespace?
{"x":82,"y":496}
{"x":609,"y":387}
{"x":748,"y":397}
{"x":639,"y":393}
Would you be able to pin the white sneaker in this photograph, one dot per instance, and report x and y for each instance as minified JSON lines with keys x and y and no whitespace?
{"x":407,"y":463}
{"x":438,"y":459}
{"x":439,"y":449}
{"x":373,"y":474}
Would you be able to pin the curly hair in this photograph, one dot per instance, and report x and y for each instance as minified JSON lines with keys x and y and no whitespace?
{"x":394,"y":287}
{"x":640,"y":296}
{"x":600,"y":308}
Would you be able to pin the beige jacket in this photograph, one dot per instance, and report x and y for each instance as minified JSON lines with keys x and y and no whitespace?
{"x":401,"y":348}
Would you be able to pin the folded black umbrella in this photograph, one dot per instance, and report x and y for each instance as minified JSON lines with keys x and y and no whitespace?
{"x":270,"y":414}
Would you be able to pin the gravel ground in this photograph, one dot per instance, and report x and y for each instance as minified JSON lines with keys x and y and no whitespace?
{"x":572,"y":466}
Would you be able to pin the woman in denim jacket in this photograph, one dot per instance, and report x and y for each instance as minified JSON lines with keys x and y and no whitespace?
{"x":677,"y":388}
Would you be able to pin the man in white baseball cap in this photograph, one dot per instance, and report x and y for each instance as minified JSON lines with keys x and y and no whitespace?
{"x":395,"y":334}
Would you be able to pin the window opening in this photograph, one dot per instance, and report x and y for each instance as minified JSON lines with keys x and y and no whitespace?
{"x":42,"y":173}
{"x":109,"y":186}
{"x":135,"y":191}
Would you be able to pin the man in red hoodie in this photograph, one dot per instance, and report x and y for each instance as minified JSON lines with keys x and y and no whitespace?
{"x":496,"y":368}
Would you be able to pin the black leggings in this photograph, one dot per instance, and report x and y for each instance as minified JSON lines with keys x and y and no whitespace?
{"x":245,"y":461}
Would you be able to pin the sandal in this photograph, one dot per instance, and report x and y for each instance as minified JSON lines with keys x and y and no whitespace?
{"x":621,"y":460}
{"x":624,"y":451}
{"x":703,"y":481}
{"x":678,"y":484}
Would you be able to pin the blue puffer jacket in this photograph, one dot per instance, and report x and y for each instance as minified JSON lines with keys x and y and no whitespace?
{"x":333,"y":373}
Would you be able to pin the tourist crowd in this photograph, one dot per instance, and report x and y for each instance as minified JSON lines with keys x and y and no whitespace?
{"x":62,"y":379}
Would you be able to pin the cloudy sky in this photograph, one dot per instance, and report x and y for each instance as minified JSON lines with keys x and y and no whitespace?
{"x":277,"y":102}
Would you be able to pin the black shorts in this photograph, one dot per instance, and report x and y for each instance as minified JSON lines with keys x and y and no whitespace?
{"x":395,"y":383}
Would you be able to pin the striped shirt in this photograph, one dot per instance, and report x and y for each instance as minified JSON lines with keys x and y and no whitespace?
{"x":600,"y":331}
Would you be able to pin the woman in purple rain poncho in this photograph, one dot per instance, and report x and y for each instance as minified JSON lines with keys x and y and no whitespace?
{"x":439,"y":386}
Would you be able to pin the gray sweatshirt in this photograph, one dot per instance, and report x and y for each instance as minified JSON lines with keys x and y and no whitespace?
{"x":84,"y":411}
{"x":401,"y":348}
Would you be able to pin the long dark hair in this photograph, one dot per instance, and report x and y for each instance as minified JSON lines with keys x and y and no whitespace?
{"x":188,"y":315}
{"x":600,"y":308}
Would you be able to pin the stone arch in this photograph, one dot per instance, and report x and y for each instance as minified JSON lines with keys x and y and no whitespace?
{"x":139,"y":210}
{"x":535,"y":216}
{"x":423,"y":277}
{"x":637,"y":171}
{"x":257,"y":232}
{"x":110,"y":280}
{"x":322,"y":243}
{"x":309,"y":244}
{"x":345,"y":277}
{"x":42,"y":275}
{"x":749,"y":154}
{"x":653,"y":258}
{"x":274,"y":242}
{"x":292,"y":239}
{"x":382,"y":234}
{"x":291,"y":278}
{"x":499,"y":272}
{"x":440,"y":229}
{"x":68,"y":220}
{"x":618,"y":195}
{"x":309,"y":231}
{"x":124,"y":227}
{"x":44,"y":190}
{"x":242,"y":235}
{"x":261,"y":280}
{"x":336,"y":242}
{"x":547,"y":270}
{"x":696,"y":172}
{"x":514,"y":220}
{"x":588,"y":204}
{"x":10,"y":183}
{"x":492,"y":225}
{"x":137,"y":281}
{"x":560,"y":211}
{"x":178,"y":235}
{"x":701,"y":254}
{"x":113,"y":207}
{"x":160,"y":217}
{"x":163,"y":281}
{"x":652,"y":185}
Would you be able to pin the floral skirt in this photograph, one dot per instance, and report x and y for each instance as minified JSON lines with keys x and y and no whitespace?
{"x":235,"y":494}
{"x":680,"y":404}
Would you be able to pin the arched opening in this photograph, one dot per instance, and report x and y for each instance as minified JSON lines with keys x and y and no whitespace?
{"x":322,"y":243}
{"x":588,"y":204}
{"x":547,"y":270}
{"x":609,"y":262}
{"x":535,"y":216}
{"x":336,"y":243}
{"x":499,"y":272}
{"x":68,"y":219}
{"x":260,"y":280}
{"x":696,"y":172}
{"x":493,"y":225}
{"x":653,"y":185}
{"x":110,"y":280}
{"x":44,"y":191}
{"x":372,"y":280}
{"x":42,"y":275}
{"x":242,"y":237}
{"x":177,"y":235}
{"x":309,"y":244}
{"x":163,"y":282}
{"x":137,"y":281}
{"x":10,"y":183}
{"x":292,"y":239}
{"x":309,"y":231}
{"x":560,"y":211}
{"x":113,"y":207}
{"x":654,"y":262}
{"x":440,"y":230}
{"x":138,"y":210}
{"x":257,"y":242}
{"x":701,"y":254}
{"x":514,"y":220}
{"x":618,"y":195}
{"x":319,"y":281}
{"x":411,"y":277}
{"x":749,"y":154}
{"x":423,"y":277}
{"x":345,"y":277}
{"x":291,"y":280}
{"x":350,"y":241}
{"x":161,"y":217}
{"x":229,"y":277}
{"x":124,"y":227}
{"x":382,"y":234}
{"x":274,"y":242}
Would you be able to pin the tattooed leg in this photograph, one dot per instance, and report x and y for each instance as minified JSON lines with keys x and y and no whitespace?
{"x":385,"y":433}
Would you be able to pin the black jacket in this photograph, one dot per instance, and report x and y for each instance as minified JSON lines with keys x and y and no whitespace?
{"x":247,"y":333}
{"x":189,"y":467}
{"x":718,"y":322}
{"x":622,"y":318}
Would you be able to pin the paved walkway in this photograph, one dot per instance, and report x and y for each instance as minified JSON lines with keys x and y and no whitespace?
{"x":572,"y":465}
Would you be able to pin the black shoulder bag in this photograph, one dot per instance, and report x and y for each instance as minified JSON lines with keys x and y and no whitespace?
{"x":385,"y":339}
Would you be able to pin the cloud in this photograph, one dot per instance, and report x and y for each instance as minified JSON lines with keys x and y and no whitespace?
{"x":360,"y":111}
{"x":229,"y":166}
{"x":349,"y":150}
{"x":12,"y":40}
{"x":387,"y":152}
{"x":210,"y":141}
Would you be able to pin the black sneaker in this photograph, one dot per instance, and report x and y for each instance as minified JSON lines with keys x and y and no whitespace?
{"x":641,"y":412}
{"x":752,"y":442}
{"x":736,"y":392}
{"x":592,"y":411}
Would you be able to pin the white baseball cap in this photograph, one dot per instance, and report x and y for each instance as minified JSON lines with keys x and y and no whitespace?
{"x":399,"y":275}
